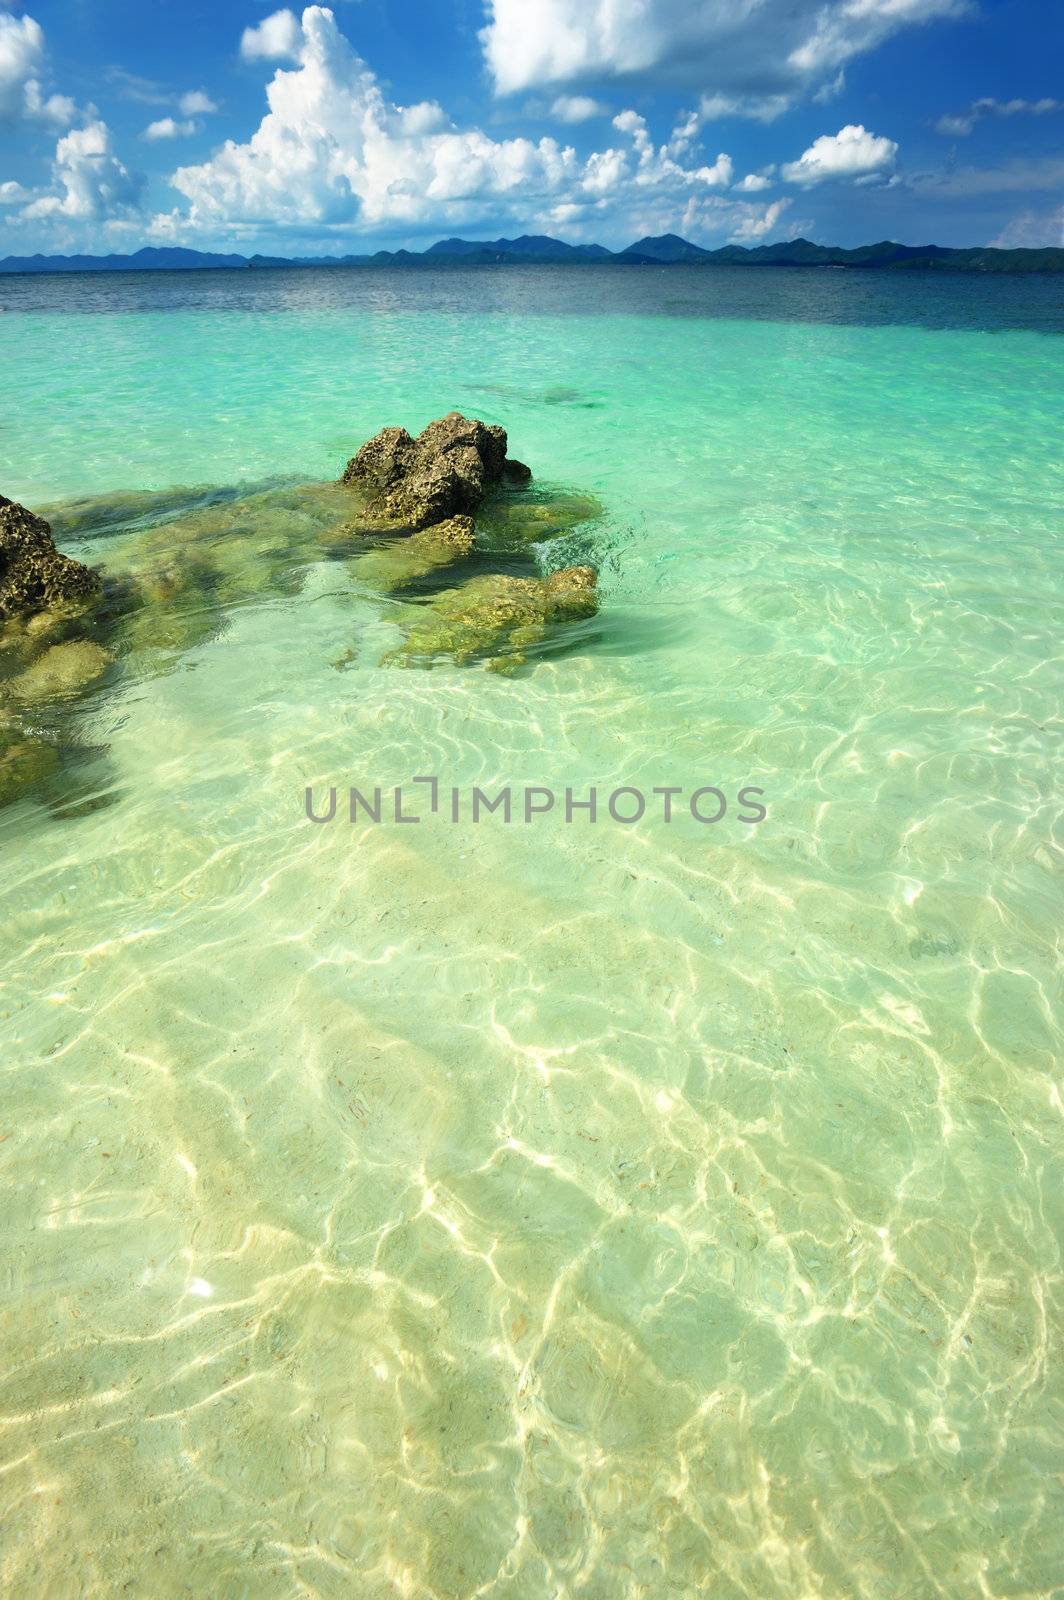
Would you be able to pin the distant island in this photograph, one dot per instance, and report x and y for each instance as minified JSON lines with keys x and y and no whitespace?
{"x":538,"y":249}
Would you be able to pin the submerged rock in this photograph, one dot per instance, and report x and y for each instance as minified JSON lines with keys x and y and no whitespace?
{"x":496,"y":618}
{"x":64,"y":670}
{"x":24,"y":763}
{"x":405,"y":560}
{"x":34,"y":576}
{"x":442,"y":473}
{"x":515,"y":521}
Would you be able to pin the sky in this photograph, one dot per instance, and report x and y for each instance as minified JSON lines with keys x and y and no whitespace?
{"x":224,"y":125}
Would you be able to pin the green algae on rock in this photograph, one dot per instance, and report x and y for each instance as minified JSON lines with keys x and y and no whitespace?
{"x":402,"y":561}
{"x":513,"y":522}
{"x":25,"y":763}
{"x":61,"y":672}
{"x":496,"y":619}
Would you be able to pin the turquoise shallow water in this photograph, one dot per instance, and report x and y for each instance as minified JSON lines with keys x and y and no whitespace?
{"x":446,"y":1210}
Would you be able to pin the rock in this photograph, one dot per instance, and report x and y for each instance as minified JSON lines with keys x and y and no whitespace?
{"x":405,"y":560}
{"x":496,"y":618}
{"x":516,"y":472}
{"x":570,"y":594}
{"x":23,"y":765}
{"x":514,"y":521}
{"x":61,"y":672}
{"x":382,"y":460}
{"x":442,"y":473}
{"x":33,"y":575}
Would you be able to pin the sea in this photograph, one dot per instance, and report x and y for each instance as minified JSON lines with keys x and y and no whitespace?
{"x":660,"y":1202}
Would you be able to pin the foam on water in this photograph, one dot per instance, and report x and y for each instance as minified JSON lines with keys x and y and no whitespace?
{"x":445,"y":1210}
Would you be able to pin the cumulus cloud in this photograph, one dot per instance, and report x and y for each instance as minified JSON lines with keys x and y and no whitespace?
{"x":754,"y":183}
{"x":754,"y":228}
{"x":196,"y":103}
{"x":657,"y":165}
{"x":754,"y":55}
{"x":852,"y":153}
{"x":89,"y":181}
{"x":22,"y":60}
{"x":577,"y":108}
{"x":278,"y":37}
{"x":961,"y":123}
{"x":332,"y":153}
{"x":13,"y":194}
{"x":168,"y":128}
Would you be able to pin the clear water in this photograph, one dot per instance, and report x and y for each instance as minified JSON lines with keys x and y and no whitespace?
{"x":445,"y":1211}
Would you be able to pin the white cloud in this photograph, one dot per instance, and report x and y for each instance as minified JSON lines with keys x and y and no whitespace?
{"x":832,"y":89}
{"x":631,"y":122}
{"x":193,"y":103}
{"x":577,"y":108}
{"x":658,"y":165}
{"x":755,"y":107}
{"x":278,"y":37}
{"x":13,"y":194}
{"x":22,"y":60}
{"x":754,"y":228}
{"x":92,"y":183}
{"x":962,"y":123}
{"x":425,"y":117}
{"x":332,"y":153}
{"x":1033,"y":230}
{"x":753,"y":183}
{"x":168,"y":128}
{"x":845,"y":28}
{"x":853,"y":152}
{"x":196,"y":103}
{"x":684,"y":133}
{"x":753,"y":53}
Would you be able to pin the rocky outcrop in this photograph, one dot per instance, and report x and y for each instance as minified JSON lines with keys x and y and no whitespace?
{"x":444,"y":472}
{"x":34,"y":576}
{"x":402,"y":519}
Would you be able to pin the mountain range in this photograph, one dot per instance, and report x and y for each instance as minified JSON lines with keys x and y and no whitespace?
{"x":666,"y":250}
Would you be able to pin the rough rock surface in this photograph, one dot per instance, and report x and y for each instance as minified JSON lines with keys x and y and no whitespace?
{"x":442,"y":473}
{"x":33,"y":575}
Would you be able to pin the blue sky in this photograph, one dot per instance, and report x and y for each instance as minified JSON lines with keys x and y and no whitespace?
{"x":225,"y":125}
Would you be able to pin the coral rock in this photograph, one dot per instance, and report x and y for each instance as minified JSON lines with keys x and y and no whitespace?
{"x":442,"y":473}
{"x":33,"y":575}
